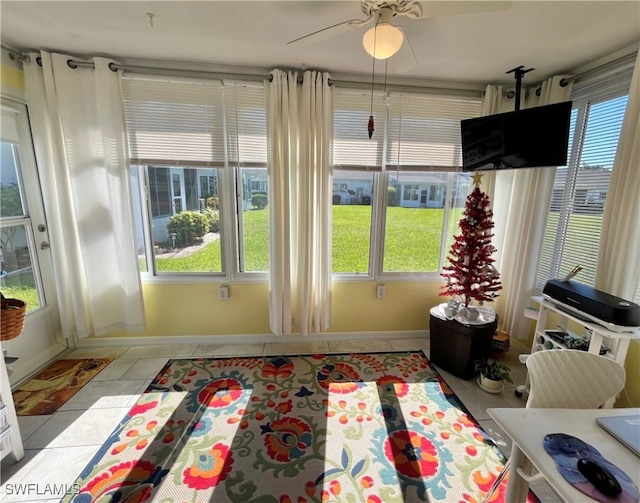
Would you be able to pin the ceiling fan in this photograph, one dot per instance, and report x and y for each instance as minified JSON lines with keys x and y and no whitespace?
{"x":386,"y":39}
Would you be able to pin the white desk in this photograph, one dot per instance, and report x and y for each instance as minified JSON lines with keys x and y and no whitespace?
{"x":527,"y":428}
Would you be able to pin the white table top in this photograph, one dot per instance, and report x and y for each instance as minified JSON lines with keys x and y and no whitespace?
{"x":527,"y":428}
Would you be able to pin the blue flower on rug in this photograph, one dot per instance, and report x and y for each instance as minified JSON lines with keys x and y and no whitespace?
{"x":200,"y":428}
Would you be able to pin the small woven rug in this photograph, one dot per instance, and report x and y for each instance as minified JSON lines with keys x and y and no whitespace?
{"x":47,"y":391}
{"x":366,"y":427}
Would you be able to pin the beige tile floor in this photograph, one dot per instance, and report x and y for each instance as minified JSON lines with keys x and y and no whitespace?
{"x":58,"y":446}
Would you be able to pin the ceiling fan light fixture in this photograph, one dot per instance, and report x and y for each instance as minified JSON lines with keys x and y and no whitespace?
{"x":383,"y":41}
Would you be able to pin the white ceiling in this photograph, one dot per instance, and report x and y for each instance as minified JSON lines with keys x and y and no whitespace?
{"x":551,"y":36}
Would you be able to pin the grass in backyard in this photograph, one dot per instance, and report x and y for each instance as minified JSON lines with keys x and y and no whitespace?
{"x":22,"y":287}
{"x":412,"y":242}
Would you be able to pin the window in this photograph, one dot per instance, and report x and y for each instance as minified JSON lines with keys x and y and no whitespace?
{"x":199,"y":155}
{"x":572,"y":235}
{"x":409,"y":170}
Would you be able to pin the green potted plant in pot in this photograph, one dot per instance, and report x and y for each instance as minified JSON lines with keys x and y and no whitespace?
{"x":492,"y":375}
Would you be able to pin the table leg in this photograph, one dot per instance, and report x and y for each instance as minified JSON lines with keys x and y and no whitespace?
{"x":517,"y":487}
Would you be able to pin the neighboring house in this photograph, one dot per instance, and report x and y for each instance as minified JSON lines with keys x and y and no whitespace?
{"x":413,"y":189}
{"x":590,"y":189}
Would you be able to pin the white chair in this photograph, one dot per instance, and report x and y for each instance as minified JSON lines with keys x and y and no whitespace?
{"x":573,"y":379}
{"x":568,"y":379}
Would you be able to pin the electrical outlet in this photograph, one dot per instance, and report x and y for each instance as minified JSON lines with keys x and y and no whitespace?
{"x":223,"y":292}
{"x":380,"y":291}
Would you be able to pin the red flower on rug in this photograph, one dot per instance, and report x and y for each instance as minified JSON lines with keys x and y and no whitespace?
{"x":485,"y":482}
{"x":278,"y":367}
{"x":142,"y":406}
{"x":412,"y":454}
{"x":220,"y":392}
{"x":124,"y":475}
{"x":393,"y":384}
{"x":339,"y":378}
{"x":210,"y":468}
{"x":287,"y":438}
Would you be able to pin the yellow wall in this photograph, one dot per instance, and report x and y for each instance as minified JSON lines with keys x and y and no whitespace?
{"x":194,"y":309}
{"x":11,"y":80}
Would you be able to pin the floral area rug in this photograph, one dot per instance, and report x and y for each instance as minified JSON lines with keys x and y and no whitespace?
{"x":51,"y":388}
{"x":371,"y":428}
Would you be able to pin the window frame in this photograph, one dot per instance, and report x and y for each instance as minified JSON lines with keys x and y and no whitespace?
{"x":379,"y":197}
{"x":232,"y":137}
{"x":597,"y":91}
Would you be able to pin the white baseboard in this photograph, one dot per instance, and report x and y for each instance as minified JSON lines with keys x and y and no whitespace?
{"x":245,"y":338}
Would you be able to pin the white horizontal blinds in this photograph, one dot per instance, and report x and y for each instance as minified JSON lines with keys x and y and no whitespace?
{"x":173,"y":122}
{"x":9,"y":125}
{"x":352,"y":148}
{"x":246,"y":124}
{"x":424,"y":131}
{"x":572,"y":235}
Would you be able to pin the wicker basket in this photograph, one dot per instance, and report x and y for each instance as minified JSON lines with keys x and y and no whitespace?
{"x":12,"y":318}
{"x":455,"y":347}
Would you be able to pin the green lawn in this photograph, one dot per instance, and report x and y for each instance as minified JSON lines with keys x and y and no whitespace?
{"x":21,"y":287}
{"x":412,"y":242}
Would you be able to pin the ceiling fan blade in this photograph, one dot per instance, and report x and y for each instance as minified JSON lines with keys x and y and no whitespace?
{"x":437,"y":9}
{"x":329,"y":31}
{"x":405,"y":59}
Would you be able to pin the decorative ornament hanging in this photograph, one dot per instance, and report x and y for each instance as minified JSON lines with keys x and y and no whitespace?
{"x":371,"y":126}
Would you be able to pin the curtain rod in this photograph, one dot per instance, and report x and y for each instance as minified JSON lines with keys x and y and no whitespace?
{"x":15,"y":55}
{"x":260,"y":77}
{"x":579,"y":78}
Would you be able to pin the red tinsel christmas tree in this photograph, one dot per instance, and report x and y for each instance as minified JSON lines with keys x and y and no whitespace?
{"x":470,"y":273}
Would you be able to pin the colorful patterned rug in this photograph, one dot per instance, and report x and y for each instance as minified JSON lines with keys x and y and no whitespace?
{"x":368,"y":428}
{"x":47,"y":391}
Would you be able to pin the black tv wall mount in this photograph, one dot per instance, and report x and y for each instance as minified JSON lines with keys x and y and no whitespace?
{"x":518,"y":74}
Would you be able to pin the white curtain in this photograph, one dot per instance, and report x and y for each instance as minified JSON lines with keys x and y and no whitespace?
{"x":81,"y":149}
{"x":521,"y":200}
{"x":618,"y":270}
{"x":300,"y":128}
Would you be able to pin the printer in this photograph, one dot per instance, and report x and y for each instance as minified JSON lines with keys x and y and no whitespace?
{"x":614,"y":313}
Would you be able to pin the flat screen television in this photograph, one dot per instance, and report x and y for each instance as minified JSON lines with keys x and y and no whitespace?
{"x":528,"y":138}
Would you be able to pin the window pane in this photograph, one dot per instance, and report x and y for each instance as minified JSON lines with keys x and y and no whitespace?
{"x":254,"y":218}
{"x":352,"y":193}
{"x":572,"y":235}
{"x":185,"y":219}
{"x":136,"y":173}
{"x":17,"y":279}
{"x":415,"y":219}
{"x":459,"y":192}
{"x":10,"y":198}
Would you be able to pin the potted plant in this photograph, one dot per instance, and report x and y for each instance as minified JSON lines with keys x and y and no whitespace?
{"x":492,"y":375}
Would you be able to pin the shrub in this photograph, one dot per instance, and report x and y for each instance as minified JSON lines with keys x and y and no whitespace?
{"x":189,"y":226}
{"x":214,"y":219}
{"x":392,"y":197}
{"x":259,"y":201}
